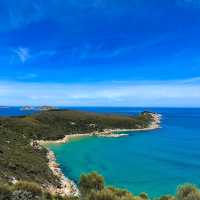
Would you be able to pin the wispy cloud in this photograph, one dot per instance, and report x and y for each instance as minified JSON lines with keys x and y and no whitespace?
{"x":168,"y":93}
{"x":22,"y":53}
{"x":91,"y":51}
{"x":17,"y":15}
{"x":28,"y":76}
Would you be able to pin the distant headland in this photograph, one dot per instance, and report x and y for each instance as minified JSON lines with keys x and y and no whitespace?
{"x":37,"y":108}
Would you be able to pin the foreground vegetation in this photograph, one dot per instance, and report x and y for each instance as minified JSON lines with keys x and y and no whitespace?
{"x":20,"y":161}
{"x":92,"y":187}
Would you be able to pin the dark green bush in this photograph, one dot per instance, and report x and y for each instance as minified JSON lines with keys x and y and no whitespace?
{"x":187,"y":192}
{"x":89,"y":182}
{"x":144,"y":195}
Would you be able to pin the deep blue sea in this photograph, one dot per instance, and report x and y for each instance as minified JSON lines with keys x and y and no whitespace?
{"x":154,"y":162}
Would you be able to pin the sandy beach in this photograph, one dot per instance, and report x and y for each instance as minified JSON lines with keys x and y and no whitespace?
{"x":67,"y":186}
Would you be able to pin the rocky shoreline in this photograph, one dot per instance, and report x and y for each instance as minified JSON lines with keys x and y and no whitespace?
{"x":67,"y":186}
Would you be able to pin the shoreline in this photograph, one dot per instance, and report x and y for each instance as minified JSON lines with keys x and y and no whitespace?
{"x":67,"y":186}
{"x":107,"y":132}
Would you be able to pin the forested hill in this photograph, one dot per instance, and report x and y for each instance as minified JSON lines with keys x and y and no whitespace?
{"x":54,"y":124}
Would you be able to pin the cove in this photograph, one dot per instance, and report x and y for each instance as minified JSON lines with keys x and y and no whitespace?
{"x":154,"y":162}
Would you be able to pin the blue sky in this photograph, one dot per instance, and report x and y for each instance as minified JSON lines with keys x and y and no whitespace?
{"x":100,"y":52}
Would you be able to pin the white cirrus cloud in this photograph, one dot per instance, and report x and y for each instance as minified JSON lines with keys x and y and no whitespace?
{"x":22,"y":53}
{"x":178,"y":93}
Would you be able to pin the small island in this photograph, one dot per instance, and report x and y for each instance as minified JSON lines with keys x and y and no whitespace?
{"x":37,"y":108}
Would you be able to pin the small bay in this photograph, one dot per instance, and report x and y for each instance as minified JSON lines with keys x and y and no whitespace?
{"x":154,"y":162}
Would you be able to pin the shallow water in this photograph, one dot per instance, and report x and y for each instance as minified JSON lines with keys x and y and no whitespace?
{"x":154,"y":162}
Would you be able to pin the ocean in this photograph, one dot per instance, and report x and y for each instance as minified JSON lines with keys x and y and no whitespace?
{"x":155,"y":162}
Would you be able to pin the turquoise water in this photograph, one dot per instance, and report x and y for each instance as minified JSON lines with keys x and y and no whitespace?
{"x":154,"y":162}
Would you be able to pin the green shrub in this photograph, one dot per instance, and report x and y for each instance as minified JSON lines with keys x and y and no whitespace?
{"x":102,"y":195}
{"x":144,"y":196}
{"x":194,"y":196}
{"x":119,"y":192}
{"x":167,"y":197}
{"x":89,"y":182}
{"x":108,"y":194}
{"x":187,"y":192}
{"x":5,"y":192}
{"x":47,"y":196}
{"x":31,"y":187}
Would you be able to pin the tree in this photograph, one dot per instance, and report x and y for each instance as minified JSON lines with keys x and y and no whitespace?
{"x":187,"y":192}
{"x":89,"y":182}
